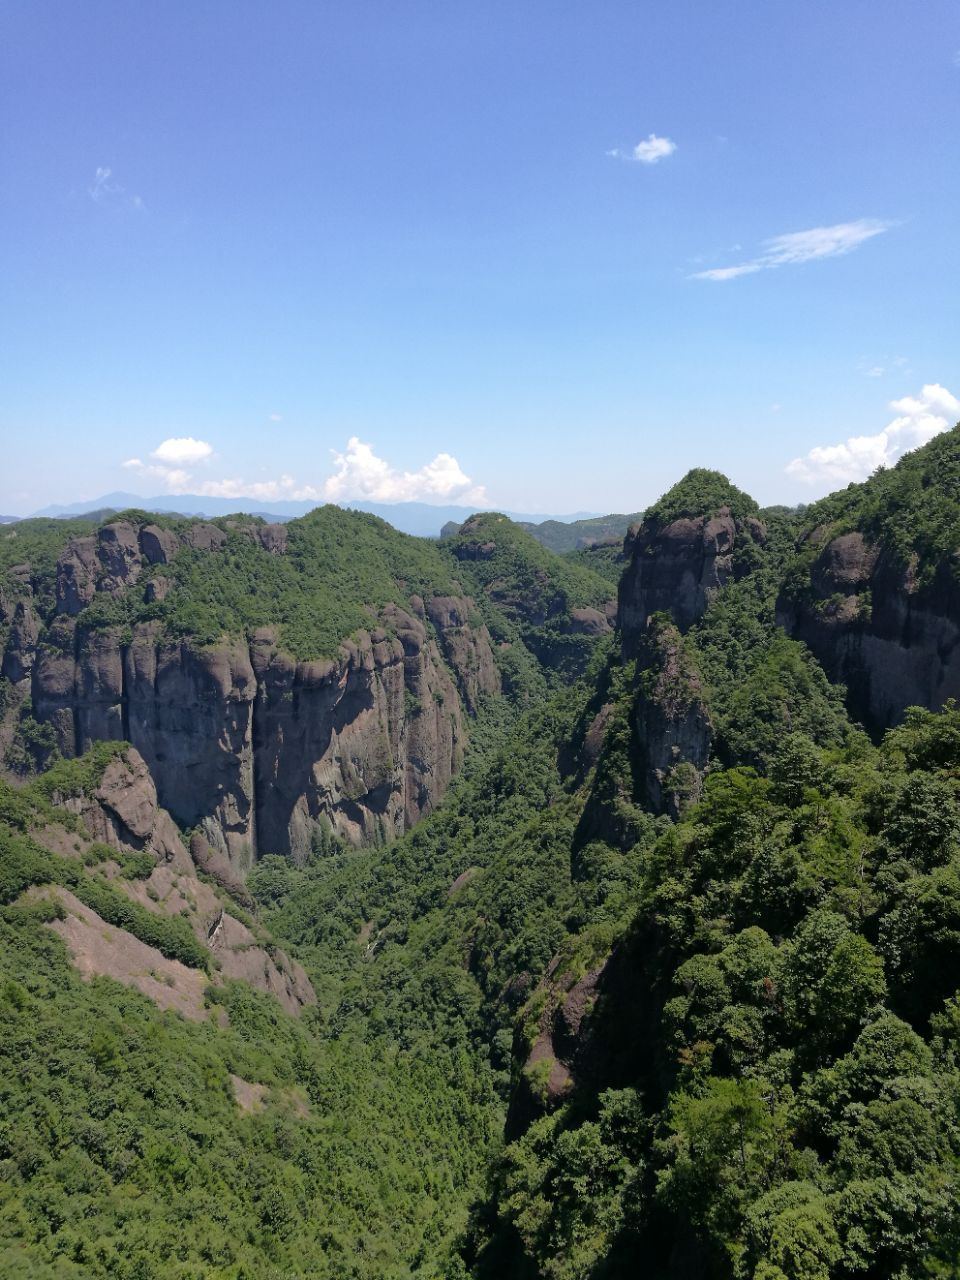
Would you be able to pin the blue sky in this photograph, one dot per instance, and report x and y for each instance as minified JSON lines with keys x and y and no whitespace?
{"x":546,"y":256}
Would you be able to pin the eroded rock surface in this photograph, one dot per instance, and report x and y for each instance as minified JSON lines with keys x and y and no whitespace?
{"x":678,"y":568}
{"x":259,"y":752}
{"x":672,"y":723}
{"x":876,"y":626}
{"x":124,"y":814}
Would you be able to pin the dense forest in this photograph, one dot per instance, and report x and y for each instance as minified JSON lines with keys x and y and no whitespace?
{"x":663,"y":982}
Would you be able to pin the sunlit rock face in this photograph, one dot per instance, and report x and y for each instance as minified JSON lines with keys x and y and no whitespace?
{"x":259,"y":752}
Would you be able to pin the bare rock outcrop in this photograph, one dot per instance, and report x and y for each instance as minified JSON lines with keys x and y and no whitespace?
{"x":21,"y":650}
{"x":550,"y":1041}
{"x":888,"y":633}
{"x":124,"y":814}
{"x":259,"y":752}
{"x":671,"y":723}
{"x":465,"y":642}
{"x":676,"y":569}
{"x":363,"y":745}
{"x":159,"y":546}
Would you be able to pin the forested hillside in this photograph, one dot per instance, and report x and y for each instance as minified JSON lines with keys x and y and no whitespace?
{"x":662,"y":980}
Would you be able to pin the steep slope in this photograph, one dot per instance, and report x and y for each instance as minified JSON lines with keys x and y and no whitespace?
{"x":875,"y":590}
{"x":169,"y":1104}
{"x":759,"y":1077}
{"x":556,"y":605}
{"x":677,"y":930}
{"x":90,"y":836}
{"x":282,"y":682}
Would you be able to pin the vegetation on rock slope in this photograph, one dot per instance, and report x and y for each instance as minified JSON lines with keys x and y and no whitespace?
{"x":764,"y":1084}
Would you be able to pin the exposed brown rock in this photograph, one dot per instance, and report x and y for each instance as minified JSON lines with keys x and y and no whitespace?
{"x":118,"y":551}
{"x":127,"y":814}
{"x":362,"y":746}
{"x":77,"y":570}
{"x":99,"y":949}
{"x":257,"y":751}
{"x":589,"y":622}
{"x":248,"y":1096}
{"x":204,"y":537}
{"x":552,"y":1049}
{"x":156,"y":589}
{"x":217,"y":866}
{"x":466,"y":647}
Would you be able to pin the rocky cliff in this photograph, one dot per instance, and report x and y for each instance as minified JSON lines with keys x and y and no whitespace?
{"x":259,"y":751}
{"x":671,"y":722}
{"x":678,"y":559}
{"x":875,"y":624}
{"x":123,"y":814}
{"x":676,"y":568}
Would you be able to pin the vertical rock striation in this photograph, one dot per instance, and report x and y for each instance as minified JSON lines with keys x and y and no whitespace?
{"x":257,"y":751}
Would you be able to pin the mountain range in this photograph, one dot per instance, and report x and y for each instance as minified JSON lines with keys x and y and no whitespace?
{"x":381,"y":906}
{"x":419,"y":518}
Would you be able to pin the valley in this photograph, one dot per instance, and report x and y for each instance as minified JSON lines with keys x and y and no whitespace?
{"x":375,"y":906}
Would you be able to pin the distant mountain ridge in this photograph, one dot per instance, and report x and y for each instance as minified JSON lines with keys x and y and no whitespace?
{"x":422,"y":519}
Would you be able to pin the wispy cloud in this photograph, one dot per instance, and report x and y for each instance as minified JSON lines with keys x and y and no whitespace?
{"x":651,"y":150}
{"x":360,"y":473}
{"x":880,"y":368}
{"x":919,"y":419}
{"x":106,"y":190}
{"x":798,"y":247}
{"x":101,"y":186}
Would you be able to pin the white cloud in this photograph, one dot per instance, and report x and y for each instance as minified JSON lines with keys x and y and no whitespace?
{"x":649,"y":151}
{"x":360,"y":474}
{"x":728,"y":273}
{"x":919,"y":419}
{"x":276,"y":417}
{"x":179,"y":479}
{"x":171,"y":461}
{"x":653,"y":149}
{"x":182,"y":451}
{"x":802,"y":246}
{"x":285,"y":488}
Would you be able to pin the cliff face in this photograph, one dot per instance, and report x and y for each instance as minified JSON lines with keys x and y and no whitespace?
{"x":672,"y":724}
{"x":892,"y":640}
{"x":258,"y":751}
{"x":369,"y":741}
{"x":124,"y":813}
{"x":676,"y":568}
